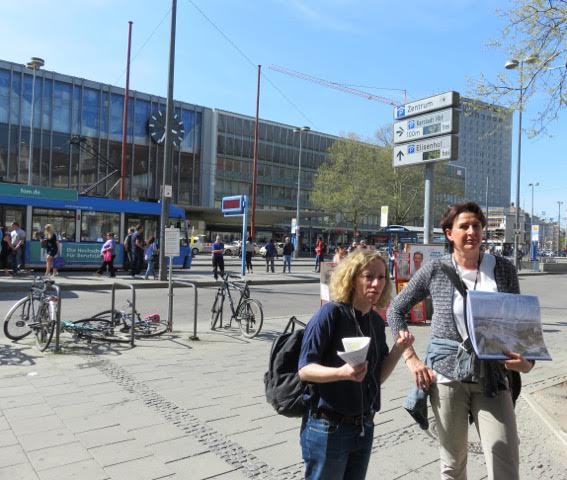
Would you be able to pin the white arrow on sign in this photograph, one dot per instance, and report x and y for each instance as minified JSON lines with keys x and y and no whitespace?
{"x":441,"y":122}
{"x":435,"y":149}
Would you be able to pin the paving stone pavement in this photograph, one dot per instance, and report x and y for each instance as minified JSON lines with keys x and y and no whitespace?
{"x":179,"y":409}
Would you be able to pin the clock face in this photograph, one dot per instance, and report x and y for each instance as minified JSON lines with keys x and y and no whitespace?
{"x":156,"y":127}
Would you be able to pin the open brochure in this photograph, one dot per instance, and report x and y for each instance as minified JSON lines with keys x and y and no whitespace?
{"x":499,"y":322}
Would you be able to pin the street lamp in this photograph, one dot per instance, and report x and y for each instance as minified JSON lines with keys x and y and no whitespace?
{"x":533,"y":243}
{"x":559,"y":203}
{"x":511,"y":65}
{"x":34,"y":64}
{"x":300,"y":131}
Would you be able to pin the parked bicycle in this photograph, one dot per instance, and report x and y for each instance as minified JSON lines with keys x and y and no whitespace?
{"x":247,"y":313}
{"x":37,"y":313}
{"x":148,"y":326}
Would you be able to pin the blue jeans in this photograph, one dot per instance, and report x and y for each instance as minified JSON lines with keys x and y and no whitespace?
{"x":334,"y":451}
{"x":287,"y":261}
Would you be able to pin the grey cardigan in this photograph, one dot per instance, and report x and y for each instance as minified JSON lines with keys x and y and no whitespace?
{"x":431,"y":280}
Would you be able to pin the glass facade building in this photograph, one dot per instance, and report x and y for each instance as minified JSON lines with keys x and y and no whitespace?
{"x":69,"y":109}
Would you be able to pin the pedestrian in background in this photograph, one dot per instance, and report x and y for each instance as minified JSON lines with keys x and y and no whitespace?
{"x":250,"y":252}
{"x":5,"y":250}
{"x":464,"y":388}
{"x":340,"y":253}
{"x":18,"y":239}
{"x":218,"y":257}
{"x":288,"y":250}
{"x":337,"y":433}
{"x":138,"y":245}
{"x":319,"y":254}
{"x":52,"y":249}
{"x":128,"y":250}
{"x":107,"y":254}
{"x":271,"y":253}
{"x":149,"y":251}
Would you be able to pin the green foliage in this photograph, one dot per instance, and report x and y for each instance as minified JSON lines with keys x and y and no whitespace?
{"x":534,"y":27}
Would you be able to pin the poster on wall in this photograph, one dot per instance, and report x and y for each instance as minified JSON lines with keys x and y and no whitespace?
{"x":421,"y":254}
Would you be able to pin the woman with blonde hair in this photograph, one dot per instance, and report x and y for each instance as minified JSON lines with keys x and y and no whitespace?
{"x":52,"y":248}
{"x":337,"y":432}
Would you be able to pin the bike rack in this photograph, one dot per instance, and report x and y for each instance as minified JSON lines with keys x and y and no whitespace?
{"x":57,"y":289}
{"x":133,"y":302}
{"x":170,"y":308}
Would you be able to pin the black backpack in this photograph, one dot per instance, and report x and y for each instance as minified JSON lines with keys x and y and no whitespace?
{"x":284,"y":389}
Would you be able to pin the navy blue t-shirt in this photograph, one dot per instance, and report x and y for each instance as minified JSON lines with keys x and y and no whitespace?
{"x":321,"y":341}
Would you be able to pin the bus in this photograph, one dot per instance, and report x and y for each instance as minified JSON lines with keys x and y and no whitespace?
{"x":81,"y":223}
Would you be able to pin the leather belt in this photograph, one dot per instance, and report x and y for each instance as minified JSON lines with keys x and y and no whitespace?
{"x":344,"y":419}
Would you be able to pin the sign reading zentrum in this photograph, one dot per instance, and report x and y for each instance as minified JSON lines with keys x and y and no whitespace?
{"x":423,"y":138}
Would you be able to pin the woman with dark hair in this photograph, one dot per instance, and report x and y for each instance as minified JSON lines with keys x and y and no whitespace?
{"x":337,"y":432}
{"x":52,"y":249}
{"x":481,"y":391}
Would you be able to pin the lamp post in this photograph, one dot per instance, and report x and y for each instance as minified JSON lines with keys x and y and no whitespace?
{"x":300,"y":131}
{"x":559,"y":203}
{"x":34,"y":64}
{"x":533,"y":242}
{"x":511,"y":65}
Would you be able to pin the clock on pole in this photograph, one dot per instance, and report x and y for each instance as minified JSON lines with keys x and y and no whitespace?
{"x":156,"y":127}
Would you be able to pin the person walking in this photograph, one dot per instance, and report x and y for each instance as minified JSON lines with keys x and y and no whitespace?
{"x":18,"y":240}
{"x":52,"y":249}
{"x":149,"y":252}
{"x":128,"y":249}
{"x":5,"y":250}
{"x":288,"y":250}
{"x":138,"y":245}
{"x":107,"y":254}
{"x":319,"y":253}
{"x":271,"y":253}
{"x":250,"y":251}
{"x":460,"y":386}
{"x":340,"y":253}
{"x":218,"y":257}
{"x":336,"y":434}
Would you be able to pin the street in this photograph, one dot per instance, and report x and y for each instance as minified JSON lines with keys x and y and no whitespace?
{"x":183,"y":409}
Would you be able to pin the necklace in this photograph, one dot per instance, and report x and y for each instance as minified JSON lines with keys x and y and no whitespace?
{"x":477,"y":275}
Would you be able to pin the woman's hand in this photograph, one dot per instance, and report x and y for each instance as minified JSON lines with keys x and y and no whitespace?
{"x":422,"y":375}
{"x":517,"y":363}
{"x":355,"y":373}
{"x":405,"y":339}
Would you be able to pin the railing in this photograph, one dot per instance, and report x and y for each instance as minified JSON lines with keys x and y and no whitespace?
{"x":170,"y":309}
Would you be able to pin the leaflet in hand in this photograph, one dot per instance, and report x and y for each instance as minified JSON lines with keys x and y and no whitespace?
{"x":356,"y":349}
{"x":505,"y":322}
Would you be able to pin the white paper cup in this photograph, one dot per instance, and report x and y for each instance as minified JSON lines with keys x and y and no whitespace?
{"x":351,"y":344}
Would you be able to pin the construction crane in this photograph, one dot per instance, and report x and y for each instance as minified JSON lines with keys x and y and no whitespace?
{"x":336,"y":86}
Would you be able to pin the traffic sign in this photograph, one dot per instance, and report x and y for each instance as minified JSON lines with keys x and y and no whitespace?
{"x":424,"y":126}
{"x":425,"y":151}
{"x":437,"y":102}
{"x":172,"y":238}
{"x":233,"y":205}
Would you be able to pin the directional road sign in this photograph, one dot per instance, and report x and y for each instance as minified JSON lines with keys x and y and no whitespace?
{"x":425,"y":151}
{"x":437,"y":102}
{"x":432,"y":124}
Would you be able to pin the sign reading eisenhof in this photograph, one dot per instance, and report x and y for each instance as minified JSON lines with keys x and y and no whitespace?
{"x":423,"y":151}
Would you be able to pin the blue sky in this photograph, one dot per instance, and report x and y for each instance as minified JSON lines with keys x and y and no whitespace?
{"x":422,"y":47}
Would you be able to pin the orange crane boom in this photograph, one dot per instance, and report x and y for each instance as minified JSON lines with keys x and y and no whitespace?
{"x":336,"y":86}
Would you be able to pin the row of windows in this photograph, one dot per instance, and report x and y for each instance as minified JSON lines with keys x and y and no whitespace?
{"x":69,"y":108}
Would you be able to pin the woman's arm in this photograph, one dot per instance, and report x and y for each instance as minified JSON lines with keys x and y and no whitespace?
{"x":316,"y":373}
{"x":404,"y":341}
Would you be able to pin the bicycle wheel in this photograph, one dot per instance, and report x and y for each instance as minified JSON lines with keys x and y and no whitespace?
{"x":216,"y":310}
{"x":107,"y":315}
{"x":16,"y":322}
{"x":250,"y":317}
{"x":43,"y":326}
{"x":95,"y":329}
{"x":147,"y":328}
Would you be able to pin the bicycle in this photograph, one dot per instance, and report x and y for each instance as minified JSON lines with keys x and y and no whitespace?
{"x":248,"y":312}
{"x":150,"y":326}
{"x":37,"y":313}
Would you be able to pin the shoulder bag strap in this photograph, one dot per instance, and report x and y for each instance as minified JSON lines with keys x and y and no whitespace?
{"x":462,"y":289}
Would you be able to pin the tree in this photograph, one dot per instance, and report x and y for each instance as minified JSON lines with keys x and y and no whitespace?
{"x":350,"y":183}
{"x":534,"y":27}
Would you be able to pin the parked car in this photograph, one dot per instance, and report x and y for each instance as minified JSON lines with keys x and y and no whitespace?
{"x":197,"y":245}
{"x":279,"y":249}
{"x":232,"y":249}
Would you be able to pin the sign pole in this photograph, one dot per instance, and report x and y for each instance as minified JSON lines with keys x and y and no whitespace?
{"x":243,"y":246}
{"x":427,"y":201}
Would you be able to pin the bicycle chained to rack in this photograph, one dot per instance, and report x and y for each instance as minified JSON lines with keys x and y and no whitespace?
{"x":37,"y":313}
{"x":248,"y":313}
